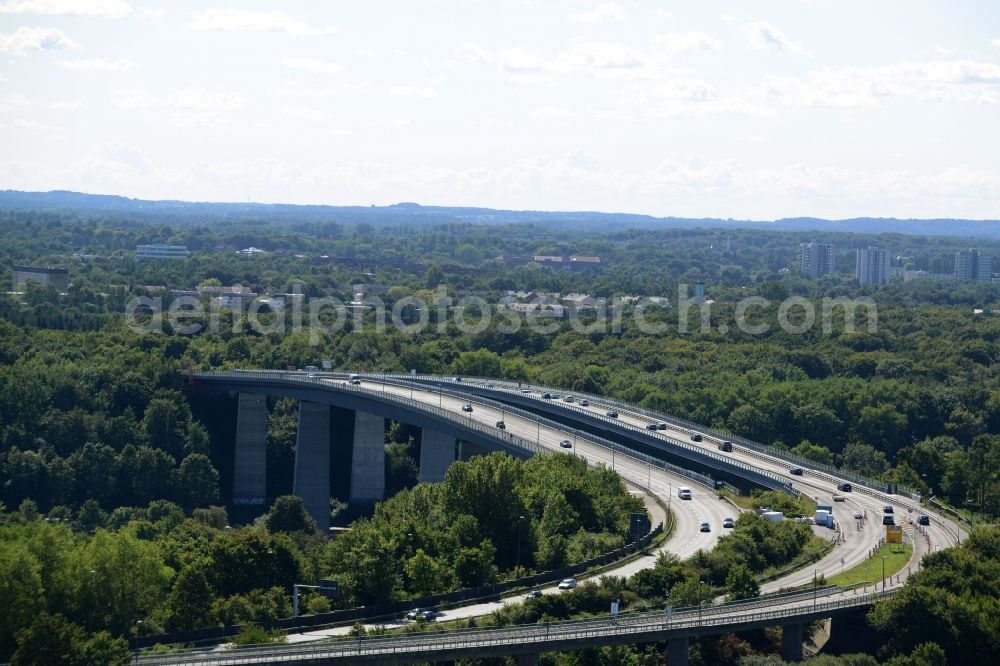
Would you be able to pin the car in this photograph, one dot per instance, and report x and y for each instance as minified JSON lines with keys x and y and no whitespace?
{"x":858,"y":515}
{"x":356,"y":382}
{"x":887,"y":509}
{"x":924,"y":519}
{"x":725,"y":445}
{"x":566,"y":444}
{"x":534,"y":594}
{"x":547,"y":396}
{"x":661,"y":426}
{"x":567,"y":584}
{"x":705,"y":527}
{"x":612,"y":413}
{"x":353,"y":377}
{"x":728,"y":523}
{"x":429,"y":615}
{"x":839,"y":498}
{"x":651,"y":426}
{"x":311,"y":376}
{"x":569,"y":398}
{"x":684,"y":493}
{"x":795,"y":471}
{"x":525,"y":390}
{"x":584,"y":403}
{"x":467,"y":407}
{"x":501,"y":425}
{"x":844,"y":487}
{"x":415,"y":613}
{"x":887,"y":519}
{"x":457,"y":380}
{"x":489,"y":386}
{"x":696,"y":437}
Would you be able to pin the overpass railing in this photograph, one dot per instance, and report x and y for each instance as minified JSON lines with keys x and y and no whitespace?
{"x":549,"y":636}
{"x":773,"y":480}
{"x":695,"y":427}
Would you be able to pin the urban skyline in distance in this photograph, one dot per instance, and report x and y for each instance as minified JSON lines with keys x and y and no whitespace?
{"x":707,"y":110}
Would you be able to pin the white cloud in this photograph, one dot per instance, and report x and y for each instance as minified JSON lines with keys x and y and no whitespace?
{"x":314,"y":65}
{"x":412,"y":91}
{"x":552,"y":113}
{"x":995,"y":43}
{"x":34,"y":125}
{"x":763,"y":35}
{"x":187,"y":106}
{"x":601,"y":13}
{"x":104,"y":8}
{"x":248,"y":20}
{"x":304,"y":92}
{"x":962,"y":81}
{"x":67,"y":106}
{"x":674,"y":43}
{"x":306,"y":113}
{"x":943,"y":50}
{"x":11,"y":101}
{"x":97,"y":64}
{"x":24,"y":40}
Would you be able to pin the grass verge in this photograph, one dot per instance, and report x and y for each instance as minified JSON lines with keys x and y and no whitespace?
{"x":870,"y":571}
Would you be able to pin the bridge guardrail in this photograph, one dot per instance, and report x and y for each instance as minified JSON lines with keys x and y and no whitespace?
{"x":689,"y":425}
{"x":547,"y":636}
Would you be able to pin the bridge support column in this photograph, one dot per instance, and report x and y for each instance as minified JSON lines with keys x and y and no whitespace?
{"x":368,"y":458}
{"x":791,"y":642}
{"x":437,"y":453}
{"x":250,"y":462}
{"x":527,"y":660}
{"x":677,"y":652}
{"x":312,"y":462}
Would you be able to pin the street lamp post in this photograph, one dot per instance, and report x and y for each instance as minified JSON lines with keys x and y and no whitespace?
{"x":517,"y":567}
{"x":815,"y":585}
{"x":883,"y":572}
{"x":267,"y":610}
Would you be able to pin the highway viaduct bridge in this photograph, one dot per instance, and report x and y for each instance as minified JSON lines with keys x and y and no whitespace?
{"x":445,"y":432}
{"x":433,"y":404}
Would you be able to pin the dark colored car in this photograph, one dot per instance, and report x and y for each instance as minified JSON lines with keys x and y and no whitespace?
{"x":467,"y":407}
{"x":924,"y":519}
{"x":726,"y":446}
{"x":844,"y":487}
{"x":887,"y":509}
{"x":613,"y":414}
{"x":705,"y":527}
{"x":566,"y":444}
{"x":795,"y":471}
{"x":651,"y":426}
{"x":501,"y":425}
{"x":547,"y":396}
{"x":729,"y":523}
{"x":887,"y":519}
{"x":696,"y":437}
{"x":661,"y":426}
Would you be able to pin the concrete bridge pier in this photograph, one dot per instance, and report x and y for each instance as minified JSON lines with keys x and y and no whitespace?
{"x":250,"y":462}
{"x":312,"y":462}
{"x":677,"y":652}
{"x":791,"y":642}
{"x":437,"y":453}
{"x":368,"y":458}
{"x":527,"y":660}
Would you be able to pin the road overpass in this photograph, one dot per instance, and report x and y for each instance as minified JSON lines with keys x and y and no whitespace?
{"x":535,"y":424}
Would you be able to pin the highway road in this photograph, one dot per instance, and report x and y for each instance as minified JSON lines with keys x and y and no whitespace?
{"x":854,"y":539}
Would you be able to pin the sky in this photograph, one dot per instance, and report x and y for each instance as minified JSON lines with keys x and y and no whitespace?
{"x":746,"y":110}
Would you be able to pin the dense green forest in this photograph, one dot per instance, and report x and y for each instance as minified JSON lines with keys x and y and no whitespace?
{"x":107,"y":457}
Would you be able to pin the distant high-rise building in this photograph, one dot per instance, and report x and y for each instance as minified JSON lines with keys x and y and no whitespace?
{"x":57,"y":277}
{"x":973,"y":265}
{"x":159,"y":251}
{"x":873,"y":266}
{"x":816,"y":259}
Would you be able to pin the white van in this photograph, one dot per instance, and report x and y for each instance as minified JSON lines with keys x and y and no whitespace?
{"x":684,"y":492}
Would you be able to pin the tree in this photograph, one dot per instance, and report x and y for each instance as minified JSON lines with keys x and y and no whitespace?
{"x":165,"y":423}
{"x":21,"y":591}
{"x":864,"y":458}
{"x":189,"y":605}
{"x":196,"y":482}
{"x":690,"y":592}
{"x":814,"y":452}
{"x":741,"y":584}
{"x":288,"y":514}
{"x":751,"y":422}
{"x":52,"y":640}
{"x":424,"y":573}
